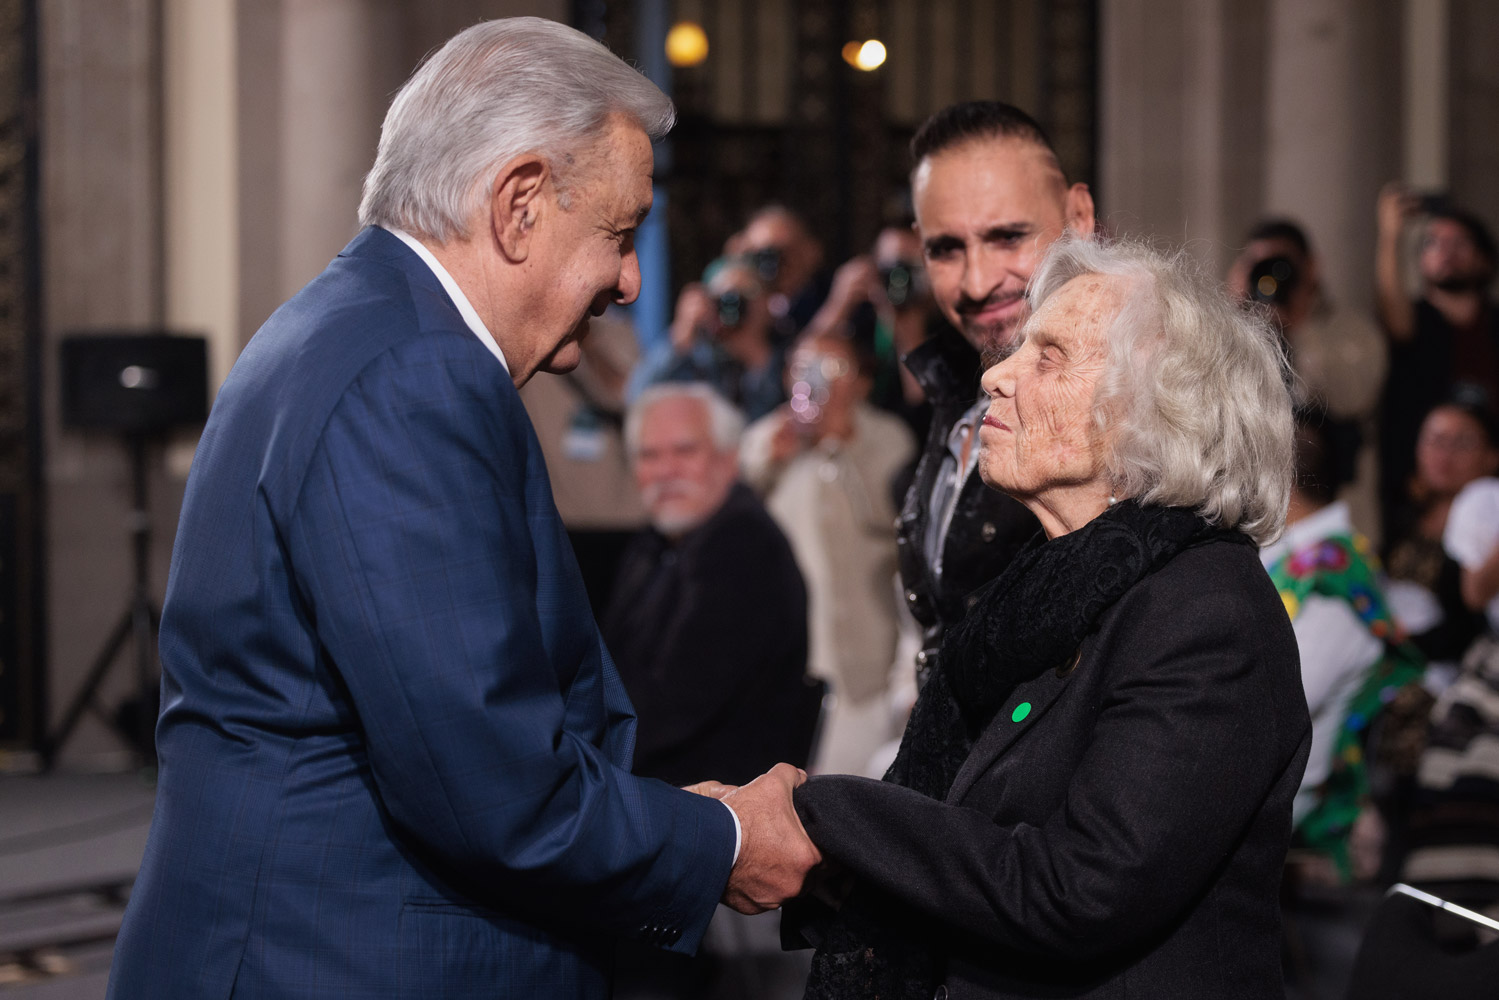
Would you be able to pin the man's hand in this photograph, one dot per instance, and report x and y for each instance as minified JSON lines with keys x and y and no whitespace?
{"x":789,"y":439}
{"x":1396,"y":205}
{"x":775,"y":854}
{"x":696,"y":313}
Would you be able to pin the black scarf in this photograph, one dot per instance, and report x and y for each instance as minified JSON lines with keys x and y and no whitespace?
{"x":1031,"y":618}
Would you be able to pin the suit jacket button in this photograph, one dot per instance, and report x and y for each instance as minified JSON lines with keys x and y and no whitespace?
{"x":988,"y":531}
{"x":911,"y":597}
{"x":673,"y":934}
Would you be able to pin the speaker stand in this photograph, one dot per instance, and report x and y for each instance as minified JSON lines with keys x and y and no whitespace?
{"x":139,"y":625}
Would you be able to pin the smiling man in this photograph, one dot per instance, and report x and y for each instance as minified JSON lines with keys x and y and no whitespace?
{"x":990,"y":198}
{"x":394,"y":751}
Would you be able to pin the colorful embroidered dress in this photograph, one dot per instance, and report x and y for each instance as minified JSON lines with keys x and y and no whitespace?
{"x":1343,"y":567}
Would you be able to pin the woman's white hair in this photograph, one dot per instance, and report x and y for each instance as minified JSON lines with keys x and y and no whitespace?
{"x":725,"y":422}
{"x":495,"y":91}
{"x":1194,"y":401}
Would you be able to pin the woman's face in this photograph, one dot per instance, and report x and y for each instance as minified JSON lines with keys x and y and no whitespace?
{"x":1452,"y":451}
{"x":1039,"y":441}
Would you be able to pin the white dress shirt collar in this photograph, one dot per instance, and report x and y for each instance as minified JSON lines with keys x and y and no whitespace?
{"x":465,"y":308}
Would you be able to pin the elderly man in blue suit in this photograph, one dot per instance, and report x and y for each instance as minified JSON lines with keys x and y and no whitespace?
{"x":394,"y":751}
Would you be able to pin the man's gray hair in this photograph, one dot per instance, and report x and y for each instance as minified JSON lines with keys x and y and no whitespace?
{"x":495,"y":91}
{"x":725,"y":422}
{"x":1194,"y":401}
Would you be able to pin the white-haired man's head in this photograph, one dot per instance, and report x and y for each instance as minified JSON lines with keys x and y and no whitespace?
{"x":683,"y":440}
{"x":520,"y":154}
{"x":495,"y":91}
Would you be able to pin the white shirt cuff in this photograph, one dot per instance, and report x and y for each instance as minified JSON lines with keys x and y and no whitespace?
{"x":738,"y":830}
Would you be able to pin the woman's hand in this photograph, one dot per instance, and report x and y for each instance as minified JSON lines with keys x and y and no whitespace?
{"x":711,"y":789}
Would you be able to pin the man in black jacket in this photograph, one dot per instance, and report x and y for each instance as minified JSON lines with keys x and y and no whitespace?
{"x":708,"y":623}
{"x":990,"y":197}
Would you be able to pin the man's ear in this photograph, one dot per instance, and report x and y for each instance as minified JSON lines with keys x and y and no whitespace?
{"x":1079,"y":209}
{"x":516,"y":203}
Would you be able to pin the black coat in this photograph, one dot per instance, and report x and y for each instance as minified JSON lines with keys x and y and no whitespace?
{"x":1123,"y":836}
{"x":987,"y":527}
{"x":710,"y":636}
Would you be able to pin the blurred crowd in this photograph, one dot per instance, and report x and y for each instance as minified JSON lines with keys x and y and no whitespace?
{"x":776,"y":516}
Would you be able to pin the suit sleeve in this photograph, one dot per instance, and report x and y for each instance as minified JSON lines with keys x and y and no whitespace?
{"x":413,"y":547}
{"x":1182,"y":757}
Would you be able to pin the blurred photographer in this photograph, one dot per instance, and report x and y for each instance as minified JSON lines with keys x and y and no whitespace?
{"x":789,"y":261}
{"x":1338,"y":354}
{"x":824,"y":463}
{"x":1445,"y":336}
{"x":722,"y":335}
{"x":884,"y":300}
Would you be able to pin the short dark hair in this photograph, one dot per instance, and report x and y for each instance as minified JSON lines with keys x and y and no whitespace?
{"x":969,"y":120}
{"x":1477,"y":231}
{"x":1326,"y":453}
{"x":1281,"y":229}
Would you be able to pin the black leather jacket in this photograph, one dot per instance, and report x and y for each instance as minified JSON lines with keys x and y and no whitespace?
{"x":987,"y":527}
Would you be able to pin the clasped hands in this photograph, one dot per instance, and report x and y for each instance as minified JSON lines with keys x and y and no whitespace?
{"x":775,"y":854}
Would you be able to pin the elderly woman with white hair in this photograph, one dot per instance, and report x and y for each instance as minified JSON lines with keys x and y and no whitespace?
{"x":1093,"y":795}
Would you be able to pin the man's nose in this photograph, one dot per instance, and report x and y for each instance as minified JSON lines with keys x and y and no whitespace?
{"x":981,"y":275}
{"x":628,"y":288}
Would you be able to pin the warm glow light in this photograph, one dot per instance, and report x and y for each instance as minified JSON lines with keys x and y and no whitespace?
{"x":686,"y":44}
{"x":871,"y":55}
{"x":851,"y":53}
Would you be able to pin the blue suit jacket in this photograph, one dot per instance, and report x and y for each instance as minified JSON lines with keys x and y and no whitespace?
{"x":393,"y":748}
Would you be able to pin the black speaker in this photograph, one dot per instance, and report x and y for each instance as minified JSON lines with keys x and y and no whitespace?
{"x":134,"y":383}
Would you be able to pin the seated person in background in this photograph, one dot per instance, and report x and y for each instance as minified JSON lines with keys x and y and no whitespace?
{"x":1338,"y":354}
{"x":1452,"y":835}
{"x":1456,"y":445}
{"x":1471,"y":539}
{"x":788,"y":259}
{"x":708,"y":621}
{"x":1354,"y":657}
{"x":884,"y":298}
{"x":824,"y":463}
{"x":722,"y":335}
{"x":1448,"y":335}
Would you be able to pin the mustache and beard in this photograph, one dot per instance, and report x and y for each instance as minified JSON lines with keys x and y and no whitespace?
{"x":995,"y":340}
{"x":677,"y":505}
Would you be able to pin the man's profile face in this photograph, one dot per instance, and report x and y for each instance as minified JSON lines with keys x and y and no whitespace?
{"x":986,"y":210}
{"x":683,"y":478}
{"x":585,"y":254}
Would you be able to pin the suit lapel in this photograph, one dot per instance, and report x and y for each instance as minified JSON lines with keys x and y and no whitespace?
{"x":1021,"y":712}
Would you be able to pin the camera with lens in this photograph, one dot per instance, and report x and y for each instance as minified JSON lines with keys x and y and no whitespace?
{"x":812,"y":386}
{"x":1273,"y":281}
{"x":767,"y":264}
{"x":903,"y":283}
{"x":731,"y":305}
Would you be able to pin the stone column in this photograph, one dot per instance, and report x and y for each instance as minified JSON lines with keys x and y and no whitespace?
{"x":1333,"y":128}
